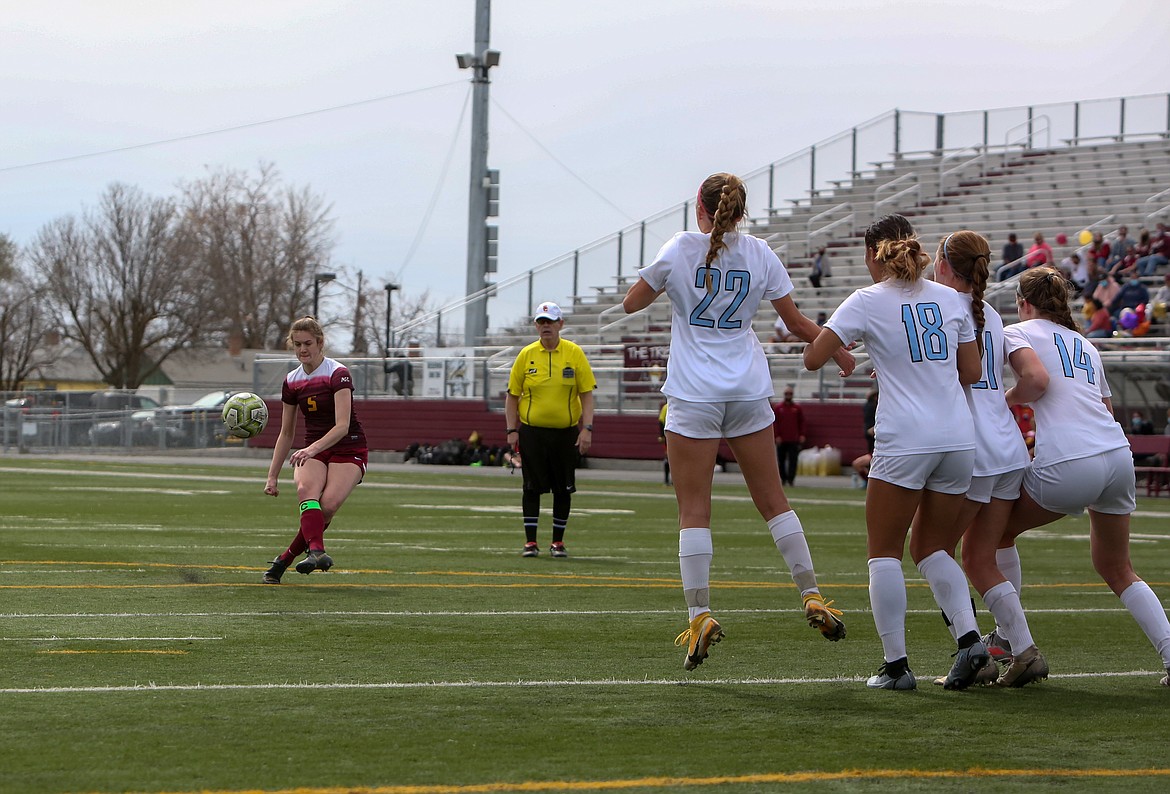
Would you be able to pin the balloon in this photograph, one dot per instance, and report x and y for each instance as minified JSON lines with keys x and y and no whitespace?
{"x":1142,"y":329}
{"x":1061,"y":238}
{"x":1128,"y":319}
{"x":1140,"y":309}
{"x":1160,"y":310}
{"x":1085,"y":237}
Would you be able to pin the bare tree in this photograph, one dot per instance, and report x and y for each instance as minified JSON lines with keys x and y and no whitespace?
{"x":24,"y":322}
{"x":263,"y":243}
{"x":123,"y":281}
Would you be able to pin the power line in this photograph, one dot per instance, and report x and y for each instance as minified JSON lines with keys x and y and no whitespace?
{"x":558,"y":161}
{"x":220,"y":131}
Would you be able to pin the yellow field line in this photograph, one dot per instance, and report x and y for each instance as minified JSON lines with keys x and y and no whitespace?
{"x":163,"y":653}
{"x":672,"y":782}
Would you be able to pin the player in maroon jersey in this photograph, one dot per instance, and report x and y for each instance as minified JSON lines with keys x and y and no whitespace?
{"x":335,"y":454}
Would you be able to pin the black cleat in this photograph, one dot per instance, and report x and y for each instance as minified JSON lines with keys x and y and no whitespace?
{"x":317,"y":560}
{"x":273,"y":574}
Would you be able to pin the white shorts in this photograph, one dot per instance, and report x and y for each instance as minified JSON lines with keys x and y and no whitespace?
{"x":1004,"y":486}
{"x":943,"y":472}
{"x":718,"y":420}
{"x":1103,"y":482}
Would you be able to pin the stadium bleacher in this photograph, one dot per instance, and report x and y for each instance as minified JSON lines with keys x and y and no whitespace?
{"x":1099,"y":185}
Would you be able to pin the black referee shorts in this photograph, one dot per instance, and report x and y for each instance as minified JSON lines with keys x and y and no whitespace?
{"x":549,"y":458}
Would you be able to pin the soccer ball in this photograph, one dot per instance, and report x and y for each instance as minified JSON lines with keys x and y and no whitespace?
{"x":245,"y":415}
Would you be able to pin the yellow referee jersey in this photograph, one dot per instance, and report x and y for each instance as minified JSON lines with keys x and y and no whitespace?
{"x":549,"y":384}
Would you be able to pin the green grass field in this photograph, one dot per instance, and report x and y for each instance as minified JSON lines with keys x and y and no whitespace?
{"x":141,"y":653}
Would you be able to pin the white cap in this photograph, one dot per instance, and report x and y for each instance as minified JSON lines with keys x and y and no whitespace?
{"x":547,"y":311}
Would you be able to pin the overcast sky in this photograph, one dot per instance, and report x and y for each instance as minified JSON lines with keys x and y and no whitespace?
{"x":636,"y":100}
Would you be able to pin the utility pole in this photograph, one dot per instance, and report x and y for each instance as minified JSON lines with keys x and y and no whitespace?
{"x":479,"y":61}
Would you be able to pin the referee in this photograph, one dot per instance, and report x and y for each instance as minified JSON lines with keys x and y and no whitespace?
{"x":550,"y":391}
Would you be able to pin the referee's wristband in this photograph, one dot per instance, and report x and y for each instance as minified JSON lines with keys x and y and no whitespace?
{"x":512,"y":430}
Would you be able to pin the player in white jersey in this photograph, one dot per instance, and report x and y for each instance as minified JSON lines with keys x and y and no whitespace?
{"x":962,"y":262}
{"x":921,"y":341}
{"x":718,"y":386}
{"x":1059,"y":374}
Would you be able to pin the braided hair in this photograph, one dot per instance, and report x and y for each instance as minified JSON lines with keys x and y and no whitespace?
{"x":724,"y":197}
{"x":1048,"y":292}
{"x":969,"y":256}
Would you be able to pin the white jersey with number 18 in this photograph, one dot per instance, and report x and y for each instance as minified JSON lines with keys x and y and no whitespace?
{"x":912,"y":332}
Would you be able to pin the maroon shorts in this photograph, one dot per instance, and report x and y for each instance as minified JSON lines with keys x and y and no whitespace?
{"x":359,"y":456}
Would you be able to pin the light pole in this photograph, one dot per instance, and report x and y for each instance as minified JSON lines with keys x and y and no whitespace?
{"x":390,"y":287}
{"x":389,"y":331}
{"x":318,"y":279}
{"x":479,"y":62}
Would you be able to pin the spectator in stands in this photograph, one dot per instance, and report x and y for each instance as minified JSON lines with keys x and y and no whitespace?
{"x":921,"y":339}
{"x":1129,"y":296}
{"x":333,"y":460}
{"x":782,"y":337}
{"x":1013,"y":255}
{"x":1090,"y":468}
{"x":718,"y":386}
{"x":1000,"y":459}
{"x":1098,"y":321}
{"x":1040,"y":253}
{"x":820,"y":268}
{"x":1099,"y":255}
{"x":1077,"y":271}
{"x":789,"y":435}
{"x":550,"y":393}
{"x":1026,"y":421}
{"x":822,"y":318}
{"x":1139,"y":425}
{"x":1162,"y":294}
{"x":1126,"y":267}
{"x":1155,"y":257}
{"x":1107,"y":289}
{"x":1121,"y":247}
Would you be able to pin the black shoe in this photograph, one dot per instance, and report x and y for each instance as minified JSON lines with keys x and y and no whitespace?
{"x":317,"y":560}
{"x":273,"y":574}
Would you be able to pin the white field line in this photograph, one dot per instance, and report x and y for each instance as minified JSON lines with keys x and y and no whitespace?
{"x":480,"y":614}
{"x":668,"y":495}
{"x":519,"y":684}
{"x":503,"y":489}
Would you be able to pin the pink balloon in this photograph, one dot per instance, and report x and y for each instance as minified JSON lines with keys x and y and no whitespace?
{"x":1061,"y":238}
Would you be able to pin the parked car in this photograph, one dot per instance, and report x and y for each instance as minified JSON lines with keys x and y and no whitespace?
{"x":196,"y":425}
{"x":64,"y":418}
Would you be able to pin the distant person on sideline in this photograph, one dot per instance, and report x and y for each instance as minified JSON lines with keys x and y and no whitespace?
{"x":550,"y":393}
{"x":333,"y":460}
{"x":718,"y":386}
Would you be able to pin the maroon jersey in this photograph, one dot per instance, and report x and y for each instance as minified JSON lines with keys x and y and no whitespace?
{"x":314,"y":394}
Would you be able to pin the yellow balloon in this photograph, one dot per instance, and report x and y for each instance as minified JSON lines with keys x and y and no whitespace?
{"x":1160,"y":311}
{"x":1085,"y":237}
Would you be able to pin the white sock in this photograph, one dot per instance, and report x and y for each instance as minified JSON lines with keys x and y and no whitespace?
{"x":887,"y":599}
{"x":788,"y":535}
{"x":1147,"y":610}
{"x":694,"y":562}
{"x":951,"y":593}
{"x":1004,"y":603}
{"x":1008,"y":562}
